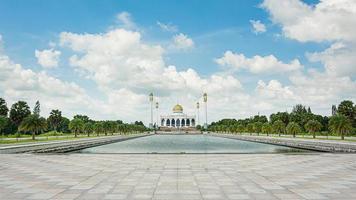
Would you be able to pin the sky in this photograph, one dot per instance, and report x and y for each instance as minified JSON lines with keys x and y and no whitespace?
{"x":103,"y":58}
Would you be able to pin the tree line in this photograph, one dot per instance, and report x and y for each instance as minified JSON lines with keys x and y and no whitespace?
{"x":20,"y":119}
{"x":300,"y":120}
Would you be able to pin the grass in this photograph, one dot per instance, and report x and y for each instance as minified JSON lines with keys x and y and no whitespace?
{"x":307,"y":136}
{"x":29,"y":140}
{"x":50,"y":136}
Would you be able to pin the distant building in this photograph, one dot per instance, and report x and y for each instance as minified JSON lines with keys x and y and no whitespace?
{"x":177,"y":120}
{"x":333,"y":110}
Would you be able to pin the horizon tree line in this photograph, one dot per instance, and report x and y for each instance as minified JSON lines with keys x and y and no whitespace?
{"x":20,"y":119}
{"x":300,"y":120}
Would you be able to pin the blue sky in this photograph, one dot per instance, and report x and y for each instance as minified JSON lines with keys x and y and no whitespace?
{"x":214,"y":27}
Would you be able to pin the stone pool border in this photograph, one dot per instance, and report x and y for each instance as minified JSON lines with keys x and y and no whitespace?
{"x":310,"y":144}
{"x":66,"y":145}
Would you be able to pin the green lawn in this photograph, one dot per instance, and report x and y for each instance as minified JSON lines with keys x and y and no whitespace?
{"x":308,"y":136}
{"x":50,"y":136}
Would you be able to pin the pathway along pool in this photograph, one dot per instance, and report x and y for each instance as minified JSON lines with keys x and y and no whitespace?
{"x":189,"y":144}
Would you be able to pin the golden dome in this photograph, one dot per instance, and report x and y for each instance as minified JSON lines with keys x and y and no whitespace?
{"x":177,"y":109}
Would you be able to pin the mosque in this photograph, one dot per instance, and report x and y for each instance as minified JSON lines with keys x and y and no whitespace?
{"x":178,"y":120}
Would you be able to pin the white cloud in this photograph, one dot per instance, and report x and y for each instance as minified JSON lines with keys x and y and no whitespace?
{"x":338,"y":59}
{"x":320,"y":90}
{"x":274,"y":89}
{"x":18,"y":83}
{"x":315,"y":89}
{"x":126,"y":20}
{"x":124,"y":67}
{"x":167,"y":27}
{"x":257,"y":64}
{"x":182,"y":41}
{"x":258,"y":26}
{"x":48,"y":58}
{"x":119,"y":59}
{"x":328,"y":20}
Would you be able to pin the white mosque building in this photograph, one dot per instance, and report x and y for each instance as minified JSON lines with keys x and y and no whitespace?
{"x":177,"y":120}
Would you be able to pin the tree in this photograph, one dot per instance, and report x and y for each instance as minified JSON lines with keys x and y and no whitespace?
{"x":106,"y":127}
{"x":37,"y":109}
{"x":98,"y":127}
{"x":299,"y":109}
{"x":249,"y":128}
{"x":313,"y":126}
{"x":340,"y":124}
{"x":293,"y":128}
{"x":259,"y":118}
{"x":3,"y":107}
{"x":266,"y":128}
{"x":240,"y":128}
{"x":279,"y":127}
{"x":55,"y":119}
{"x":64,"y":125}
{"x":33,"y":124}
{"x":199,"y":127}
{"x":138,"y":123}
{"x":88,"y":128}
{"x":76,"y":125}
{"x":3,"y":123}
{"x":257,"y":126}
{"x":19,"y":111}
{"x":283,"y":116}
{"x":84,"y":118}
{"x":347,"y":109}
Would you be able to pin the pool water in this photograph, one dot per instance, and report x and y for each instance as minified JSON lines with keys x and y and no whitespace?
{"x":188,"y":144}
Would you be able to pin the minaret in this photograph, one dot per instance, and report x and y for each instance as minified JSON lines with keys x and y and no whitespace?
{"x":205,"y":98}
{"x":151,"y":101}
{"x":157,"y":115}
{"x":198,"y":106}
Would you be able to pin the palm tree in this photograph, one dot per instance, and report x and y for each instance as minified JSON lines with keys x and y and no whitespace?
{"x":235,"y":128}
{"x":240,"y":128}
{"x":257,"y":126}
{"x":55,"y":119}
{"x":76,"y":125}
{"x":279,"y":127}
{"x":293,"y":128}
{"x":266,"y":128}
{"x":33,"y":124}
{"x":98,"y":127}
{"x":88,"y":128}
{"x":340,"y":124}
{"x":313,"y":126}
{"x":106,"y":127}
{"x":3,"y":122}
{"x":249,"y":128}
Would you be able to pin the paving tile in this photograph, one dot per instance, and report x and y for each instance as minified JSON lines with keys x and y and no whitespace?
{"x":230,"y":176}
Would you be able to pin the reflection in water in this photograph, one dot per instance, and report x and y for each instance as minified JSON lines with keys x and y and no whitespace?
{"x":188,"y":144}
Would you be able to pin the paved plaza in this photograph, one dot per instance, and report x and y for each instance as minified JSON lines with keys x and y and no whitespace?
{"x":162,"y":176}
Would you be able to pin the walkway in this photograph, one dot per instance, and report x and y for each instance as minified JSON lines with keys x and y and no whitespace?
{"x":233,"y":176}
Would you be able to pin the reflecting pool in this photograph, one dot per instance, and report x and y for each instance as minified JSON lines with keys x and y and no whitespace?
{"x":188,"y":144}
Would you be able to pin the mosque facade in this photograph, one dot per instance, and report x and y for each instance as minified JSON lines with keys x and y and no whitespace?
{"x":178,"y":119}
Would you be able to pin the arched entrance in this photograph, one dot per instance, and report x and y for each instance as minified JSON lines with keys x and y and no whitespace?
{"x":173,"y":123}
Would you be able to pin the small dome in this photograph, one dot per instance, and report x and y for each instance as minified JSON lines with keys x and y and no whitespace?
{"x":177,"y":109}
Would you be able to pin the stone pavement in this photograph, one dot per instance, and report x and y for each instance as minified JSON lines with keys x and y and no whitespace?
{"x":337,"y":146}
{"x":162,"y":176}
